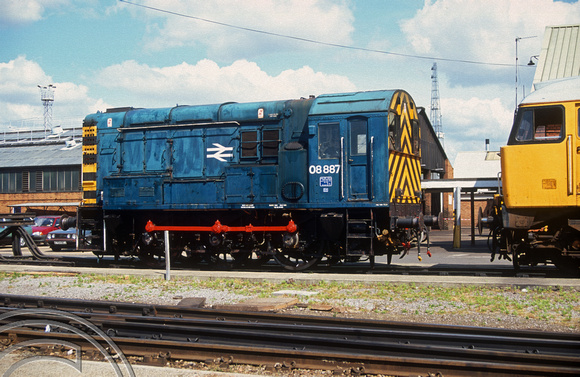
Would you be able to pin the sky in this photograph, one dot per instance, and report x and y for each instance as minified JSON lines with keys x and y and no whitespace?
{"x":158,"y":53}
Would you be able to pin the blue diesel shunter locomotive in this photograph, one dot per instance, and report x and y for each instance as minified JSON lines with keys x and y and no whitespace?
{"x":332,"y":178}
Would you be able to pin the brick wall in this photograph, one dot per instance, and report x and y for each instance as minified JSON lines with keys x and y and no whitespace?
{"x":44,"y":197}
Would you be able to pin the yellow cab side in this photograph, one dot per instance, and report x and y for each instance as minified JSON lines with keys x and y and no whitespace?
{"x":540,"y":163}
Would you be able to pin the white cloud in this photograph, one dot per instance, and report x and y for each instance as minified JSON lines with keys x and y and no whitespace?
{"x":477,"y":117}
{"x":20,"y":95}
{"x":484,"y":31}
{"x":18,"y":88}
{"x":477,"y":101}
{"x":207,"y":82}
{"x":323,"y":20}
{"x":468,"y":122}
{"x":20,"y":12}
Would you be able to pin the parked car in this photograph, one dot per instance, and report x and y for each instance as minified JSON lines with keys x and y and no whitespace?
{"x":44,"y":225}
{"x":7,"y":241}
{"x":64,"y":239}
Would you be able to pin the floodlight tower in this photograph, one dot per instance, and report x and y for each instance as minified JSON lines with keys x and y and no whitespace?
{"x":47,"y":98}
{"x":435,"y":109}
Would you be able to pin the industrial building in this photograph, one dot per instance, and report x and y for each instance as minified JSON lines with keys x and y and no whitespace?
{"x":40,"y":171}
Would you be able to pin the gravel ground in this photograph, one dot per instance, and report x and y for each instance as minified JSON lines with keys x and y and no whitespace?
{"x":347,"y":301}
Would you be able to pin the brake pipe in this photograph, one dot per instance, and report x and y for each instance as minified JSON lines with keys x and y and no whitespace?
{"x":218,"y":228}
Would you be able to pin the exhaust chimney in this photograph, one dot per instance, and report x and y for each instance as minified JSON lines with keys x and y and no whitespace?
{"x":487,"y":145}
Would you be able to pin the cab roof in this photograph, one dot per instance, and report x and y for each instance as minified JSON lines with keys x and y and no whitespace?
{"x":562,"y":90}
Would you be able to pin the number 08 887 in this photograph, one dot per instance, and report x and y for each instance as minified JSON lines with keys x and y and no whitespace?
{"x":324,"y":169}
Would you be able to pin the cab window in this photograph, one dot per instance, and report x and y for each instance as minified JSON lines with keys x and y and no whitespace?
{"x":328,"y":141}
{"x":416,"y":137}
{"x":394,"y":131}
{"x":539,"y":125}
{"x":358,"y":137}
{"x":578,"y":117}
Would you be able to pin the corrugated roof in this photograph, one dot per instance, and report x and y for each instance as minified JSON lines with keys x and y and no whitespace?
{"x":560,"y":55}
{"x":57,"y":154}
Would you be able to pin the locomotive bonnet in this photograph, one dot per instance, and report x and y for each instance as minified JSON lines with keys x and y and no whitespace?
{"x":332,"y":178}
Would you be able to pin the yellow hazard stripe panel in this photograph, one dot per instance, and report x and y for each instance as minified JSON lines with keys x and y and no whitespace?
{"x":404,"y":106}
{"x":89,"y":164}
{"x":90,"y":149}
{"x":89,"y":168}
{"x":404,"y":166}
{"x":404,"y":178}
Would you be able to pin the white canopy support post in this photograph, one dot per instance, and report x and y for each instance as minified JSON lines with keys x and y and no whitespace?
{"x":457,"y":219}
{"x":472,"y":200}
{"x":167,"y":260}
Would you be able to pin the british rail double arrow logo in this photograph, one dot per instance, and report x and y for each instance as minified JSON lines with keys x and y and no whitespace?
{"x":220,"y":152}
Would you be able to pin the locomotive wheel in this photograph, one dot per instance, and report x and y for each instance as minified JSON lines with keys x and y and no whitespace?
{"x":257,"y":259}
{"x":191,"y":259}
{"x":149,"y":258}
{"x":240,"y":256}
{"x":295,"y":260}
{"x":220,"y":261}
{"x":513,"y":249}
{"x":331,"y":253}
{"x":516,"y":260}
{"x":519,"y":256}
{"x":567,"y":265}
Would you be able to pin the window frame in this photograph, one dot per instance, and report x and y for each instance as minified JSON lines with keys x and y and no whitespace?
{"x":10,"y":181}
{"x":249,"y":145}
{"x":354,"y":137}
{"x":322,"y":135}
{"x":265,"y":145}
{"x":394,"y":130}
{"x":517,"y":139}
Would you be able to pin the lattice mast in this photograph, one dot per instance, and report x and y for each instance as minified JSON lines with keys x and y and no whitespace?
{"x":47,"y":98}
{"x":435,"y":107}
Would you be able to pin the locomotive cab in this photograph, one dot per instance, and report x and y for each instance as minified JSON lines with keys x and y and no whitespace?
{"x":538,"y":162}
{"x":541,"y":178}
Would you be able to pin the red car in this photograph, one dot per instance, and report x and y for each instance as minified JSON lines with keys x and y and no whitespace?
{"x":44,"y":225}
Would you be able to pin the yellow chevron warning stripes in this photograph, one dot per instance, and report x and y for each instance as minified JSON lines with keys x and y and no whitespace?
{"x":404,"y":107}
{"x":89,"y":163}
{"x":404,"y":178}
{"x":404,"y":165}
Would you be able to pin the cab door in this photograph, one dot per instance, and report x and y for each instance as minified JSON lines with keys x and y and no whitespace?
{"x":357,"y":161}
{"x":327,"y":161}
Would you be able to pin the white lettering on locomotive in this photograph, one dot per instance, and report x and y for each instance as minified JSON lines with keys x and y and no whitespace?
{"x":324,"y":169}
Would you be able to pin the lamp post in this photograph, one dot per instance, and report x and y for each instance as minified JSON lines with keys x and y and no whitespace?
{"x":517,"y":71}
{"x":531,"y":62}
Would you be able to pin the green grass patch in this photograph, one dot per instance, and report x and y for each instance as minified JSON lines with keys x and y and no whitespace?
{"x":549,"y":304}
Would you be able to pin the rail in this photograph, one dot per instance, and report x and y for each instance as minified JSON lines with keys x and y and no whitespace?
{"x":375,"y":347}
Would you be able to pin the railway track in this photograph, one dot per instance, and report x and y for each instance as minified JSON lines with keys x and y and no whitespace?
{"x":370,"y":347}
{"x":63,"y":260}
{"x":539,"y":273}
